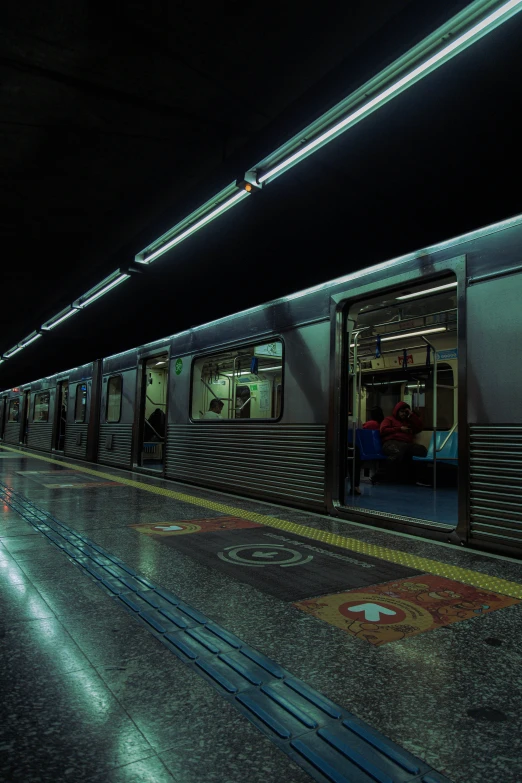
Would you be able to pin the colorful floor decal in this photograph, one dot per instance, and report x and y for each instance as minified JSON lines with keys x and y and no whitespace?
{"x":387,"y":612}
{"x":65,"y":479}
{"x":196,"y":526}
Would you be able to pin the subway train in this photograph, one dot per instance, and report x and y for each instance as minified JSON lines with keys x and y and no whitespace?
{"x":270,"y":402}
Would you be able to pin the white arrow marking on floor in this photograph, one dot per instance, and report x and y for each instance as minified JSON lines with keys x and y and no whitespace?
{"x":372,"y":612}
{"x":171,"y":527}
{"x":264,"y":554}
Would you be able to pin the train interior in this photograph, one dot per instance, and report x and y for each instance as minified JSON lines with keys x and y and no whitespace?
{"x":154,"y":411}
{"x":62,"y":404}
{"x":403,"y":347}
{"x":239,"y":384}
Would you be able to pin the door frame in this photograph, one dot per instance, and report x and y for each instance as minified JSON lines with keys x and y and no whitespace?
{"x":423,"y":269}
{"x":56,"y":423}
{"x":141,"y":390}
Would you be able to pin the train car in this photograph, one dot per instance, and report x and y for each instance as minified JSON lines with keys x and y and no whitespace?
{"x":271,"y":402}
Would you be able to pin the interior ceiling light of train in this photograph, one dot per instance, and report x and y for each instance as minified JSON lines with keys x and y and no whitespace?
{"x":395,"y":320}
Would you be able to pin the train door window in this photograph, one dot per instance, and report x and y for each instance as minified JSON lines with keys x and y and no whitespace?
{"x":114,"y":399}
{"x":402,"y":347}
{"x":41,"y":406}
{"x":241,"y":383}
{"x":80,"y":404}
{"x":14,"y":409}
{"x":153,"y":411}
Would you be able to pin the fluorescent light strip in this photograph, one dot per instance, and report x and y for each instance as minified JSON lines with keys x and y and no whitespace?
{"x":261,"y":369}
{"x":103,"y":291}
{"x":48,"y":325}
{"x":428,"y":291}
{"x":12,"y":352}
{"x":192,"y":229}
{"x":395,"y":89}
{"x":36,"y":337}
{"x":413,"y":334}
{"x":382,"y":383}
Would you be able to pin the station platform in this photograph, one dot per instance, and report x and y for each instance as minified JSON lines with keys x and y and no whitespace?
{"x":152,"y":631}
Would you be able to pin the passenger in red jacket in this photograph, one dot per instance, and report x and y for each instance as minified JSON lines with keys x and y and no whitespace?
{"x":397,"y":433}
{"x":375,"y":420}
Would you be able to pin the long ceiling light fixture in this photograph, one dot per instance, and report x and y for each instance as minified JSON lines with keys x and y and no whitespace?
{"x":463,"y":30}
{"x":22,"y":344}
{"x":201,"y":217}
{"x":101,"y":289}
{"x":59,"y":318}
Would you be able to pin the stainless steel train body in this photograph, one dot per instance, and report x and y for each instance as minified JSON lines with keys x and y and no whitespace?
{"x":296,"y":450}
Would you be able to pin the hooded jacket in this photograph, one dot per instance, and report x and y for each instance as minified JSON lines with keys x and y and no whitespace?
{"x":391,"y":426}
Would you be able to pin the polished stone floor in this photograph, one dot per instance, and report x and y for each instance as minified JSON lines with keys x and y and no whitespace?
{"x":89,"y":695}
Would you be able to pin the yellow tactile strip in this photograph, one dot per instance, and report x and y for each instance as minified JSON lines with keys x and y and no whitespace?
{"x":466,"y":575}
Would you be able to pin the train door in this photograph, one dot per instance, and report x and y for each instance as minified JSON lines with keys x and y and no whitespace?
{"x":401,"y":406}
{"x":61,"y":415}
{"x":153,"y":412}
{"x":3,"y":416}
{"x":25,"y":415}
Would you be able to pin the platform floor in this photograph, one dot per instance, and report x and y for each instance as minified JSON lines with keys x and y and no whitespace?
{"x":419,"y":642}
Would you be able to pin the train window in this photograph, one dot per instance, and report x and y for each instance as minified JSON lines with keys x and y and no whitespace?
{"x":114,"y":389}
{"x":41,"y":406}
{"x":243,"y":383}
{"x":80,"y":406}
{"x":14,"y":409}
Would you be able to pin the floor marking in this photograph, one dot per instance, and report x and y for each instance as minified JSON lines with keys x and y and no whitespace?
{"x":323,"y":738}
{"x":466,"y":575}
{"x":405,"y":607}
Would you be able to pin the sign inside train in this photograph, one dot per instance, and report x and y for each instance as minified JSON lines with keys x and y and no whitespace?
{"x":449,"y":353}
{"x":270,"y":349}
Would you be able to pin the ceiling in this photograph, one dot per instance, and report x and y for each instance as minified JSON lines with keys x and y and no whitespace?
{"x":118,"y":120}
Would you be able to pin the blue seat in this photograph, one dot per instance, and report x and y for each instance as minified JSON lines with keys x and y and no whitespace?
{"x":369,"y":442}
{"x":449,"y":453}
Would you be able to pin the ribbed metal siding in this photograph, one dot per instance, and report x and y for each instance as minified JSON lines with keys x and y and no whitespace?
{"x":285,"y":461}
{"x":12,"y":432}
{"x":496,"y":483}
{"x":71,"y":447}
{"x":39,"y":436}
{"x":121,"y":451}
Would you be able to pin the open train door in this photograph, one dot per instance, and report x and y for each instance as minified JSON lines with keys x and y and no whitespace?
{"x":400,"y":348}
{"x":3,"y":415}
{"x":25,"y":416}
{"x":152,"y":430}
{"x":61,"y":415}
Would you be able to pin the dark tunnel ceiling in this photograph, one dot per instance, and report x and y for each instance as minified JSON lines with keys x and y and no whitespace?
{"x":115,"y":128}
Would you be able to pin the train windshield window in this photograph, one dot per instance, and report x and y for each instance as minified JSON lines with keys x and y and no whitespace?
{"x":14,"y":409}
{"x":114,"y":388}
{"x":80,"y":404}
{"x":41,"y":406}
{"x":244,"y":383}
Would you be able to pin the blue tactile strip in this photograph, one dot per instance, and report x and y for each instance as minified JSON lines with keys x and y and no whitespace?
{"x":330,"y":743}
